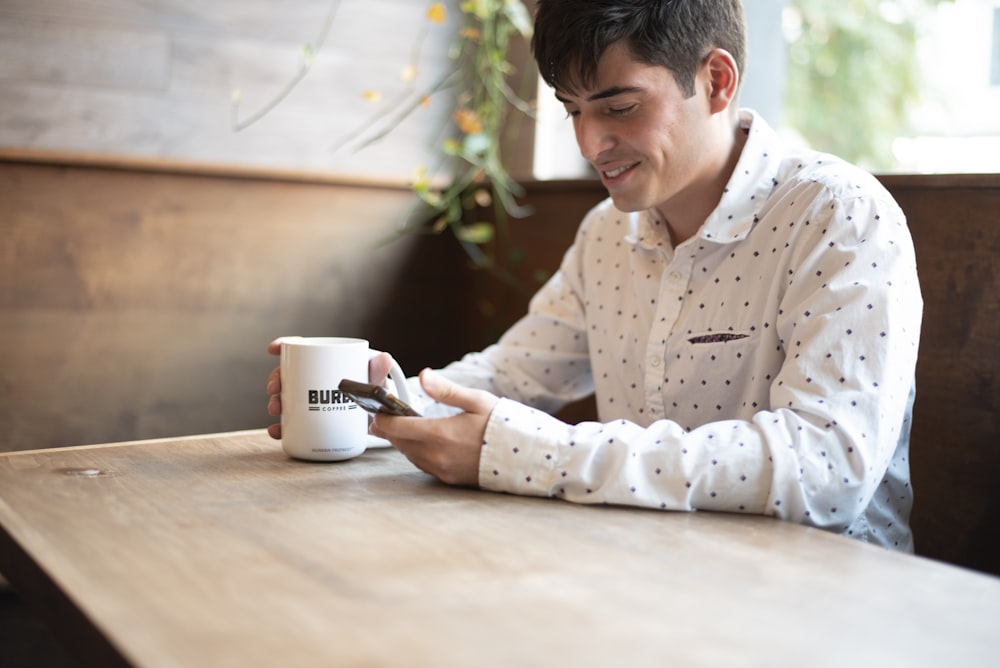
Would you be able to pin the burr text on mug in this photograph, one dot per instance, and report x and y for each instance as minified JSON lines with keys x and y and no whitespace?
{"x":330,"y":400}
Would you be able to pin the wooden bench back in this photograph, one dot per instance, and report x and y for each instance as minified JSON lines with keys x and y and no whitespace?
{"x":955,"y":444}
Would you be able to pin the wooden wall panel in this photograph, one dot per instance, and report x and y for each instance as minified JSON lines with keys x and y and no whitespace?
{"x":955,"y":446}
{"x":135,"y":59}
{"x":138,"y":304}
{"x":155,"y":79}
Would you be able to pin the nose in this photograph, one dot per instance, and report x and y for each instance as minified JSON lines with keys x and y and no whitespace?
{"x":592,"y":137}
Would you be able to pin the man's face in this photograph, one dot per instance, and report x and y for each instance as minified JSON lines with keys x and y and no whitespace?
{"x":652,"y":146}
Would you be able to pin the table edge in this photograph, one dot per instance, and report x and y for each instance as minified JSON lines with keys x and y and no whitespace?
{"x":146,"y":441}
{"x":56,"y":609}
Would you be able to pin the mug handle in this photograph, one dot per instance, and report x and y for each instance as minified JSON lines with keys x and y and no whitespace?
{"x":398,"y":378}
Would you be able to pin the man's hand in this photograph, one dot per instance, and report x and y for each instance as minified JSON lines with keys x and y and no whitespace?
{"x":447,"y":448}
{"x":274,"y":390}
{"x":378,"y":371}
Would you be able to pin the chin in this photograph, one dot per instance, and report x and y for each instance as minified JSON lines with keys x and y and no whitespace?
{"x":627,"y":204}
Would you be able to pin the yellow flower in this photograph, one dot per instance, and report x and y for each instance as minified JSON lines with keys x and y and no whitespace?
{"x":371,"y":96}
{"x":425,"y":101}
{"x":436,"y":13}
{"x":408,"y":73}
{"x":468,"y":121}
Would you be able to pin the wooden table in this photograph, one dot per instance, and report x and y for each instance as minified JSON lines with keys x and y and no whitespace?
{"x":220,"y":551}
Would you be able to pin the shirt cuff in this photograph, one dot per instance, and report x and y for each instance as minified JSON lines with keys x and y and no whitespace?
{"x":519,"y":453}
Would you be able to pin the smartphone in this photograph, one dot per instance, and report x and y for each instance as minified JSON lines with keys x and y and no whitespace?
{"x":376,"y":399}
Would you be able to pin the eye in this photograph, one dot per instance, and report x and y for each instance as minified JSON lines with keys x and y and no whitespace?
{"x":572,"y":113}
{"x":622,"y":111}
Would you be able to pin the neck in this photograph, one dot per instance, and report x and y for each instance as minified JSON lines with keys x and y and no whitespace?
{"x":687,"y":212}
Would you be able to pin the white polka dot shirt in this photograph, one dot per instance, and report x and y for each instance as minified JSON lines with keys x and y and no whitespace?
{"x":763,"y":366}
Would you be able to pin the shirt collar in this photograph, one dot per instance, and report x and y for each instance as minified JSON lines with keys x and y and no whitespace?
{"x":749,"y":186}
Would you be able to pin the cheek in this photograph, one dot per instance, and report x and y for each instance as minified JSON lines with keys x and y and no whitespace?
{"x":661,"y":135}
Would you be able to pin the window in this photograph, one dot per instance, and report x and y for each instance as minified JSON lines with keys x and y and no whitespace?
{"x":995,"y":65}
{"x":877,"y":82}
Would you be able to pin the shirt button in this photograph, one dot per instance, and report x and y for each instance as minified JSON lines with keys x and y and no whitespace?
{"x":675,"y":276}
{"x":655,"y":360}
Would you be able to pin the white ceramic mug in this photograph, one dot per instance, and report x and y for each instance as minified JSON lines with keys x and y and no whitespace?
{"x":318,"y":422}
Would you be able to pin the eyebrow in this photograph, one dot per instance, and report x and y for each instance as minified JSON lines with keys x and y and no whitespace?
{"x":604,"y":94}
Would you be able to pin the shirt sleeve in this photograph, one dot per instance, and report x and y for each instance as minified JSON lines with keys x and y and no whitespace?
{"x":543,"y":360}
{"x":816,"y":454}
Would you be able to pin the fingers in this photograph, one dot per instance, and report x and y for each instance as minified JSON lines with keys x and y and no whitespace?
{"x":274,"y":391}
{"x":469,"y":400}
{"x":274,"y":405}
{"x":274,"y":381}
{"x":378,"y":368}
{"x":274,"y":408}
{"x":447,"y":448}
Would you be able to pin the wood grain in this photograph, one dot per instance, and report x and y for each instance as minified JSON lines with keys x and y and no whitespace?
{"x":156,"y":80}
{"x":955,"y":461}
{"x":140,"y":304}
{"x":221,"y":551}
{"x":127,"y":58}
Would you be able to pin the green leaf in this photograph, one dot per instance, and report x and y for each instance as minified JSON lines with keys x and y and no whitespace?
{"x":477,"y":7}
{"x":475,"y":233}
{"x":476,"y":144}
{"x":518,"y":15}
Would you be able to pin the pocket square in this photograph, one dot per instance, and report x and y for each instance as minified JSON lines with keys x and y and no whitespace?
{"x":722,"y":337}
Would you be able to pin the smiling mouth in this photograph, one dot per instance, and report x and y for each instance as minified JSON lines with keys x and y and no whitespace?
{"x":615,"y":173}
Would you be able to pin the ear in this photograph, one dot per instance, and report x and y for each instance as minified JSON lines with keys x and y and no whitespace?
{"x":723,"y":79}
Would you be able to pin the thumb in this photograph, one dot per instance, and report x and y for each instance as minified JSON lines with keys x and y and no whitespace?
{"x":469,"y":400}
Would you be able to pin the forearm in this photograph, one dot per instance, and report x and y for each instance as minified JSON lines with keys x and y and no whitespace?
{"x":769,"y":465}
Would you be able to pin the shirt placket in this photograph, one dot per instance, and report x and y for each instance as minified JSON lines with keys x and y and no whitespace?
{"x":673,"y":287}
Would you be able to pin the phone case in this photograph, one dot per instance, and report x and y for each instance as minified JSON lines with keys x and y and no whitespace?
{"x":376,"y":399}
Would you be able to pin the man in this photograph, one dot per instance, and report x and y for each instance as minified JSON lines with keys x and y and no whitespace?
{"x":747,"y":315}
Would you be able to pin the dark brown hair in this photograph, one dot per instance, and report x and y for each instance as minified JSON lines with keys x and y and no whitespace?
{"x":571,"y":36}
